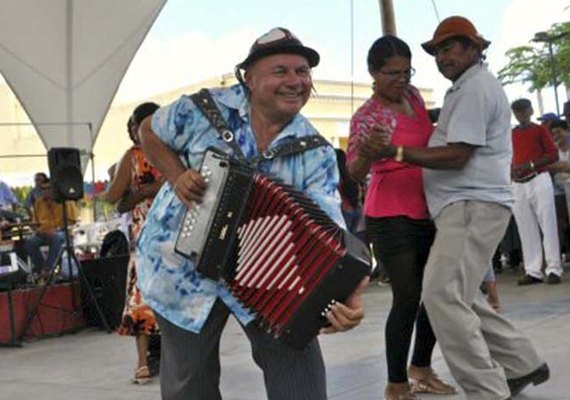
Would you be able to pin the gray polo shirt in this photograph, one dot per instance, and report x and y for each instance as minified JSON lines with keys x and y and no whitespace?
{"x":475,"y":111}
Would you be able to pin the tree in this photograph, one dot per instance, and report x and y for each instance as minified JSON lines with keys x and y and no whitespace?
{"x":563,"y":53}
{"x":532,"y":64}
{"x":526,"y":64}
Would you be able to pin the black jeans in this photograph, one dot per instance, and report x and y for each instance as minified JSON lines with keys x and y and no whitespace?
{"x":403,"y":245}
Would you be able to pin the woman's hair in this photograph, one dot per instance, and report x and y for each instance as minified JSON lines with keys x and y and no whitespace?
{"x":385,"y":48}
{"x":43,"y":175}
{"x":144,"y":110}
{"x":130,"y":123}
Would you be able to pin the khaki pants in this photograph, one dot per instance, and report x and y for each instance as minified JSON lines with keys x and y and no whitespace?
{"x":480,"y":347}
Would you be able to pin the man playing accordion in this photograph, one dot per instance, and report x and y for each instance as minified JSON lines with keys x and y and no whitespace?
{"x":262,"y":112}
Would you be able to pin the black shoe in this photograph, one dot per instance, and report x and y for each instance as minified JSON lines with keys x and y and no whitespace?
{"x":552,"y":279}
{"x":528,"y":280}
{"x":536,"y":377}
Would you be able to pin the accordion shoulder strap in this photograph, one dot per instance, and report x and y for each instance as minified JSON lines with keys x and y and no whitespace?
{"x":295,"y":146}
{"x":204,"y":101}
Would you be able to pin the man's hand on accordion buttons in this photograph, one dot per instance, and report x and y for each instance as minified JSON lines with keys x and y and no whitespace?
{"x":190,"y":187}
{"x":344,"y":317}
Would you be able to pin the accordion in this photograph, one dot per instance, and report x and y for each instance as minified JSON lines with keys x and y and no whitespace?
{"x":278,"y":253}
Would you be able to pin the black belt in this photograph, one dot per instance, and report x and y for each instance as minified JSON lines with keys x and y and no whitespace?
{"x":527,"y":178}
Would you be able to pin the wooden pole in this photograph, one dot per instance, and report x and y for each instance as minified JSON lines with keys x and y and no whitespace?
{"x":388,"y":19}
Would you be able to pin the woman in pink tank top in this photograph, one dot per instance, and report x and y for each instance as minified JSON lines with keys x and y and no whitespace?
{"x":397,"y":218}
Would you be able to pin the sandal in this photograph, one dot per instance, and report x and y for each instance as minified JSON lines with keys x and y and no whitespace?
{"x":429,"y":382}
{"x":142,"y":375}
{"x":399,"y":391}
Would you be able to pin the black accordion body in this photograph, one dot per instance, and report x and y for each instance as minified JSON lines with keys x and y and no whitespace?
{"x":279,"y":254}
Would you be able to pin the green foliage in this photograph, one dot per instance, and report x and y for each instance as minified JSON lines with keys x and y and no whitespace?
{"x":532,"y":64}
{"x":562,"y":52}
{"x":524,"y":66}
{"x":21,"y":192}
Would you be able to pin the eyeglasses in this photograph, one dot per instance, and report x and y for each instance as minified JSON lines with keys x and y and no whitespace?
{"x":396,"y":74}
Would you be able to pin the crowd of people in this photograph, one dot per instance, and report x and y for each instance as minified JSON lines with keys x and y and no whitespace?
{"x":437,"y":200}
{"x":467,"y":166}
{"x":431,"y":193}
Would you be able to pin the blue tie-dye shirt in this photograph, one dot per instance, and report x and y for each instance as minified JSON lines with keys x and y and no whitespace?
{"x":168,"y":281}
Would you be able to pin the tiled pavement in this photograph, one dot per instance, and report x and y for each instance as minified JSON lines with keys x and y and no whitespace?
{"x":93,"y":365}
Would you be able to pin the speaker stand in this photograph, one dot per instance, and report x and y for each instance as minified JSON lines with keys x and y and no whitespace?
{"x":71,"y":257}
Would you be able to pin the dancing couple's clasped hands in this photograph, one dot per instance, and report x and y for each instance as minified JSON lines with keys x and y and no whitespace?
{"x":377,"y":144}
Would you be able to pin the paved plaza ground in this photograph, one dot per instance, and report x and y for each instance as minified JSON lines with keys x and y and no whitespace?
{"x":94,"y":365}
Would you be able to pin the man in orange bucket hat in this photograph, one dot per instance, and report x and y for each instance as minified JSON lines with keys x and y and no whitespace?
{"x":453,"y":27}
{"x":467,"y":182}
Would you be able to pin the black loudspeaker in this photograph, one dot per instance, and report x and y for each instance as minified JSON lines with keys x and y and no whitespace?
{"x":65,"y":171}
{"x":107,"y":277}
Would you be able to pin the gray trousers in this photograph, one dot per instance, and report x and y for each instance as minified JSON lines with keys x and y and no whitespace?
{"x":481,"y":347}
{"x":190,"y":363}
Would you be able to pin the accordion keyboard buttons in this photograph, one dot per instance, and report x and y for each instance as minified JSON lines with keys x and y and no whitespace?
{"x":189,"y":222}
{"x":192,"y":215}
{"x":199,"y":218}
{"x":206,"y":174}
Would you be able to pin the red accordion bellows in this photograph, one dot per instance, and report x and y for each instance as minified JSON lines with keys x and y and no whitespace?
{"x":282,"y":254}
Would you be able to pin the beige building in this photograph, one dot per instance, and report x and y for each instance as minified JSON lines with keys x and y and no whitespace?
{"x":22,"y":152}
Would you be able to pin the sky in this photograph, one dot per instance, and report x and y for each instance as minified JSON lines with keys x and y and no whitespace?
{"x":194,"y":39}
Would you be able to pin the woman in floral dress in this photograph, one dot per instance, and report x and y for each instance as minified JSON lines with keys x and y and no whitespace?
{"x":133,"y":188}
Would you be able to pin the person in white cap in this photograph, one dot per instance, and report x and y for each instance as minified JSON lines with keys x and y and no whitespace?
{"x":262,"y":112}
{"x":469,"y":194}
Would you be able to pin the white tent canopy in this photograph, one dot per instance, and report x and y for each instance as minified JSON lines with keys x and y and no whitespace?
{"x":64,"y":60}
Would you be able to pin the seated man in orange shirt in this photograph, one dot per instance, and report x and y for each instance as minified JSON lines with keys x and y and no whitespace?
{"x":49,"y":216}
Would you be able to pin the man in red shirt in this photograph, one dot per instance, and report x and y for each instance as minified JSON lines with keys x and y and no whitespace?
{"x":534,"y":211}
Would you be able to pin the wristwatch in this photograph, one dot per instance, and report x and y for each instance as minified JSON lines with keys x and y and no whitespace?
{"x":399,"y":156}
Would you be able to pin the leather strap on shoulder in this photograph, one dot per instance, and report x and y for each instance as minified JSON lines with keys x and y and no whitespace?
{"x":204,"y":101}
{"x":207,"y":105}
